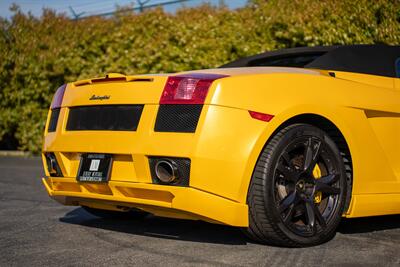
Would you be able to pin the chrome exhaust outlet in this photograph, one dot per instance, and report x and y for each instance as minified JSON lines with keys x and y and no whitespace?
{"x":52,"y":165}
{"x":166,"y":171}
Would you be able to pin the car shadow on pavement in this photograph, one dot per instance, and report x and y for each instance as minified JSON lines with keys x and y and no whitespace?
{"x":369,"y":224}
{"x":153,"y":226}
{"x":198,"y":231}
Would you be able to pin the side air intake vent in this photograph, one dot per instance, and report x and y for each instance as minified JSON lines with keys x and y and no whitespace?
{"x":178,"y":118}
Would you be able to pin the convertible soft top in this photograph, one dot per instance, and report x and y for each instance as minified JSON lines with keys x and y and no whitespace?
{"x":368,"y":59}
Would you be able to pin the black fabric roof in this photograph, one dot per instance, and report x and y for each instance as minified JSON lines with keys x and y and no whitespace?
{"x":368,"y":59}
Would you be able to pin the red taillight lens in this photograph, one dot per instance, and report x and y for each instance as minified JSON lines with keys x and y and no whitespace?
{"x":58,"y":97}
{"x":188,"y":89}
{"x":260,"y":116}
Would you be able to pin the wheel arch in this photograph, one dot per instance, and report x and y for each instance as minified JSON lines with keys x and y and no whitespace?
{"x":333,"y":132}
{"x":336,"y":135}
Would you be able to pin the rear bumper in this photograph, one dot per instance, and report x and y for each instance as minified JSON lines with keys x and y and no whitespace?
{"x":222,"y":152}
{"x":169,"y":201}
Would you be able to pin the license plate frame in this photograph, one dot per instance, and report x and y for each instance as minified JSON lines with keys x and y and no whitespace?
{"x":94,"y":168}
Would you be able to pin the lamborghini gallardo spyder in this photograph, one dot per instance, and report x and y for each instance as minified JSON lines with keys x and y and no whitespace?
{"x":282,"y":144}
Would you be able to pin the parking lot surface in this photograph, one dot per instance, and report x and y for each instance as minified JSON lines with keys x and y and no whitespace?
{"x":36,"y":231}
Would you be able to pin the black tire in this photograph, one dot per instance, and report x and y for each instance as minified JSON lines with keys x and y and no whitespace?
{"x":288,"y":206}
{"x":111,"y":214}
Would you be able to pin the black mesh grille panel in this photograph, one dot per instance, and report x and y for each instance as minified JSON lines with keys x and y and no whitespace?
{"x":106,"y":118}
{"x":178,"y":118}
{"x":183,"y":165}
{"x":55,"y":113}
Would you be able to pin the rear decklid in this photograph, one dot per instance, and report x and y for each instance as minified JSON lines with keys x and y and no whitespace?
{"x":115,"y":89}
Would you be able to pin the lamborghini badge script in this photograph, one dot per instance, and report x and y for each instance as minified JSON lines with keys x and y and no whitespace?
{"x":99,"y":97}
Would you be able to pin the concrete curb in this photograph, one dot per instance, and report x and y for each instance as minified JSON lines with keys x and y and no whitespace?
{"x":14,"y":153}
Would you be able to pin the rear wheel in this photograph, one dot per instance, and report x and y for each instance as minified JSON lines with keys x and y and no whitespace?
{"x":298,"y":189}
{"x":111,"y":214}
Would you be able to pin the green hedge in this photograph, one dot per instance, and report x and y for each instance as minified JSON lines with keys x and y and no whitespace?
{"x":39,"y":54}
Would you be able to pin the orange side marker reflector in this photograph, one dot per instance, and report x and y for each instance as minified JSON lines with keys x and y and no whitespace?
{"x":260,"y":116}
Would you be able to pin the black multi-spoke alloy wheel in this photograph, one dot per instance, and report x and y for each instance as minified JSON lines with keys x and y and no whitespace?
{"x":298,"y":189}
{"x":111,"y":214}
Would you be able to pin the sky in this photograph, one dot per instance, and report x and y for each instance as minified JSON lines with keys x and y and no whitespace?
{"x":91,"y":7}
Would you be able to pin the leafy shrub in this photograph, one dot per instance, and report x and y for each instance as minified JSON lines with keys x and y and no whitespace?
{"x":39,"y":54}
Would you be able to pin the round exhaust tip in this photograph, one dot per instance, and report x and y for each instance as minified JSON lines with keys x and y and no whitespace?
{"x":166,"y":171}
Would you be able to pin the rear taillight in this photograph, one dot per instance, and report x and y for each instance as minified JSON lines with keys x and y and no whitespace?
{"x":55,"y":108}
{"x":58,"y":97}
{"x":188,"y":88}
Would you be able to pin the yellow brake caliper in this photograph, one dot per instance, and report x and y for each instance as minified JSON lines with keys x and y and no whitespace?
{"x":317,"y":174}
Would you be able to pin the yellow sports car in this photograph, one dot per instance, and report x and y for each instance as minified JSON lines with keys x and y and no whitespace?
{"x":282,"y":144}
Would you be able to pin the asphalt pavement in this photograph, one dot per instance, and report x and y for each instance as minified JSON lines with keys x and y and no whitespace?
{"x":36,"y":231}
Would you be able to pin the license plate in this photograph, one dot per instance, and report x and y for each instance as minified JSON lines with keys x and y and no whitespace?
{"x":94,"y":168}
